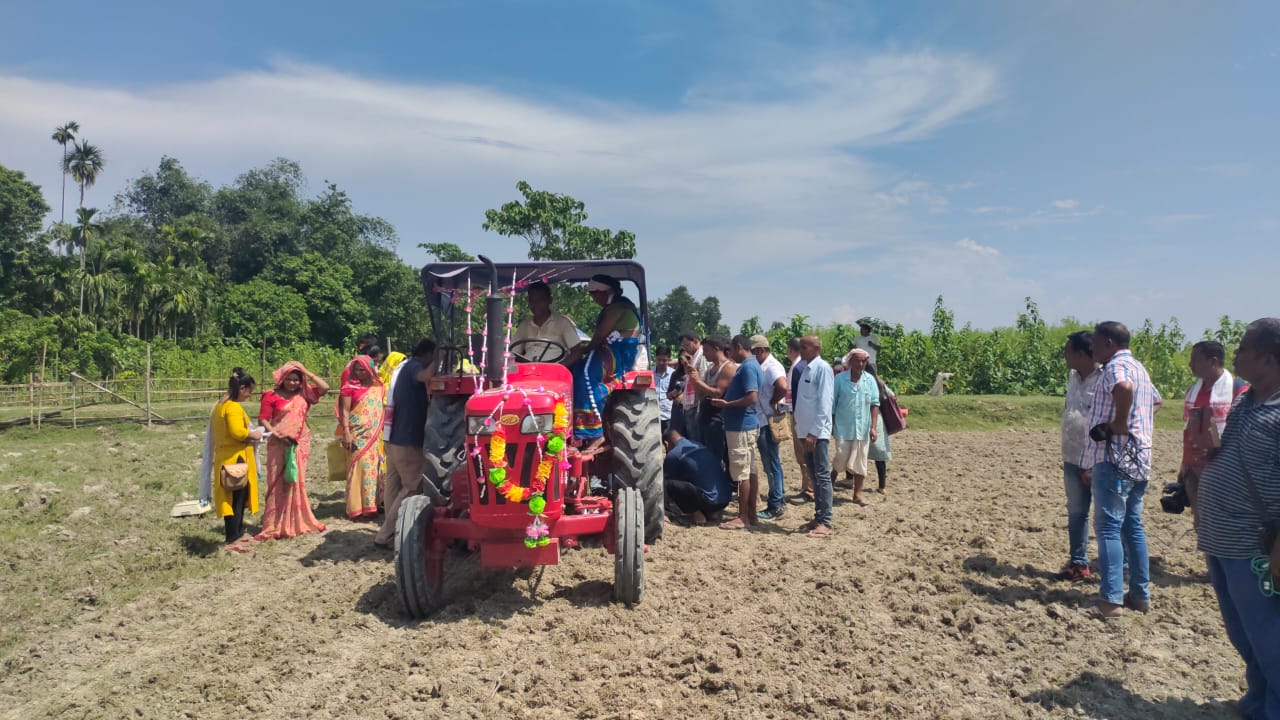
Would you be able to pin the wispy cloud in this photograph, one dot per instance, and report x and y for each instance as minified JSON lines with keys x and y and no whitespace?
{"x":1049,"y":217}
{"x":993,"y":210}
{"x":1068,"y":204}
{"x":735,"y":174}
{"x":976,"y":248}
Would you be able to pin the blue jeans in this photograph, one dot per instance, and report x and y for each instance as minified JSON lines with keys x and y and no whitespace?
{"x":1117,"y":522}
{"x":772,"y":462}
{"x":819,"y":462}
{"x":1252,"y":622}
{"x":1077,"y":513}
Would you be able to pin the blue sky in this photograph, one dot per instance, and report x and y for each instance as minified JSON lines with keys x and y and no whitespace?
{"x":831,"y":159}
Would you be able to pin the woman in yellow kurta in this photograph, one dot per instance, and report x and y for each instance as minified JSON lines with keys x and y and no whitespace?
{"x":233,"y":442}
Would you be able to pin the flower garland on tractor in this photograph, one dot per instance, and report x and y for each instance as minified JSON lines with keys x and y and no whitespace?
{"x":537,"y":533}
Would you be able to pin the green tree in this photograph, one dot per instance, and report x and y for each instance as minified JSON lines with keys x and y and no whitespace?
{"x":751,"y":326}
{"x":260,"y":311}
{"x":166,"y":196}
{"x":84,"y":232}
{"x":680,"y":312}
{"x":337,"y":313}
{"x":261,"y":217}
{"x":22,"y":208}
{"x":84,"y":163}
{"x":554,"y":226}
{"x":64,"y":134}
{"x":447,"y":252}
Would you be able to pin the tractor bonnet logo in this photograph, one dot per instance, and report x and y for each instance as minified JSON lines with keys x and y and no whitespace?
{"x":509,"y":420}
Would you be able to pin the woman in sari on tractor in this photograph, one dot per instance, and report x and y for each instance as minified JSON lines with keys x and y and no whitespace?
{"x":609,"y":355}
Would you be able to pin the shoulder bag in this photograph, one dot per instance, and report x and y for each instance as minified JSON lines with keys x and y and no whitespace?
{"x":891,"y":414}
{"x":234,"y":476}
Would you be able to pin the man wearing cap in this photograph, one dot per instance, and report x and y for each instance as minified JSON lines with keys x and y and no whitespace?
{"x":741,"y":425}
{"x":856,"y":409}
{"x":773,"y":390}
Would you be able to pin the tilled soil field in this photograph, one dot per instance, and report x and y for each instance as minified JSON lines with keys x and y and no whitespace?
{"x":936,"y":600}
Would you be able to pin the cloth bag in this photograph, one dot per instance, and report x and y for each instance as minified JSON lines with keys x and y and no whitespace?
{"x":780,"y":427}
{"x":895,"y":421}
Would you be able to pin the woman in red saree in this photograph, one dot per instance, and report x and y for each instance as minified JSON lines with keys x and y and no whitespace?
{"x":284,"y":414}
{"x":360,"y":407}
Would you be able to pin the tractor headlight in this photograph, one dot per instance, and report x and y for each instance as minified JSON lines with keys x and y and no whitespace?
{"x":536,"y":424}
{"x":476,"y":426}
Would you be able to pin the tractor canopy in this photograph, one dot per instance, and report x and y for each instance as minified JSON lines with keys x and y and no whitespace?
{"x":445,"y":284}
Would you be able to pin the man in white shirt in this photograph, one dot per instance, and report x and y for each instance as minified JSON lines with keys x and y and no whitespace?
{"x":773,"y":391}
{"x":1081,"y":386}
{"x":869,"y":343}
{"x":685,"y":416}
{"x":662,"y":373}
{"x":546,"y":324}
{"x":814,"y":399}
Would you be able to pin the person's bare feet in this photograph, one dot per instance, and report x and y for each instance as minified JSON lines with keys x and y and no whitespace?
{"x":880,"y":491}
{"x":699,"y":518}
{"x":1103,"y":610}
{"x":735,"y":524}
{"x":859,"y":500}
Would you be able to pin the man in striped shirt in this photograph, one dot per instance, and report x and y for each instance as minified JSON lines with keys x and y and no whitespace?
{"x":1124,"y":407}
{"x":1245,"y":578}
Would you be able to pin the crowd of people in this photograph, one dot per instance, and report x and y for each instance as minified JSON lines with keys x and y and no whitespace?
{"x":727,"y":406}
{"x":1229,"y":477}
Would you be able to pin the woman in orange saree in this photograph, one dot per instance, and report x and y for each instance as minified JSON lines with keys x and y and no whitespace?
{"x":360,"y":416}
{"x":284,"y":414}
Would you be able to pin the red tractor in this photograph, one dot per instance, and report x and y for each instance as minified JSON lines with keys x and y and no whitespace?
{"x":503,"y":476}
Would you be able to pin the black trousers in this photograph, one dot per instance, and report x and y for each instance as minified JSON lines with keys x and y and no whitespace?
{"x":688,"y":498}
{"x":235,"y":521}
{"x":882,"y":472}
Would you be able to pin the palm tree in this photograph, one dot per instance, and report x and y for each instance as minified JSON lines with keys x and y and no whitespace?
{"x":81,"y":234}
{"x":85,"y":164}
{"x":62,"y":135}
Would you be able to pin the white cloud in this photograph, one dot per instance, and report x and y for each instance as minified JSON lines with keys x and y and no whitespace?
{"x":974,"y":247}
{"x":1046,"y":217}
{"x":1068,"y":204}
{"x":993,"y":210}
{"x":732,"y":183}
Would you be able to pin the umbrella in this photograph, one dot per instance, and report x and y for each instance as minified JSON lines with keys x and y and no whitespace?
{"x":876,"y":323}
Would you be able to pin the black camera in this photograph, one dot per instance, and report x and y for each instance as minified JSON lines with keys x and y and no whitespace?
{"x":1100,"y":432}
{"x":1174,"y":500}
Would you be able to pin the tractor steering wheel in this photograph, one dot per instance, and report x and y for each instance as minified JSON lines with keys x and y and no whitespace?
{"x":547,"y":345}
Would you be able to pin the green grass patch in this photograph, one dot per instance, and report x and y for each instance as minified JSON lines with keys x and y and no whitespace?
{"x":996,"y":412}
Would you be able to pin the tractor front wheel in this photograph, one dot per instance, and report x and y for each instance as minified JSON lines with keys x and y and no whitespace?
{"x":628,"y":561}
{"x":419,"y":577}
{"x":635,"y":434}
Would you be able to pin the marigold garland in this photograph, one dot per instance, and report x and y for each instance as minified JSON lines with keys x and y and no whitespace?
{"x":537,"y":533}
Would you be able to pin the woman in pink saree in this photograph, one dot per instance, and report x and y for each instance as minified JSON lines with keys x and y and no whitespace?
{"x":284,"y":414}
{"x":360,"y":412}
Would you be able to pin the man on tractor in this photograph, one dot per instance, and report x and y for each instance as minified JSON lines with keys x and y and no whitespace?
{"x":539,"y":334}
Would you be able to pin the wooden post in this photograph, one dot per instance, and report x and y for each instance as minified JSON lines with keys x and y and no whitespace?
{"x":387,"y":349}
{"x":44,"y":351}
{"x":148,"y":389}
{"x":75,"y":421}
{"x":31,"y":398}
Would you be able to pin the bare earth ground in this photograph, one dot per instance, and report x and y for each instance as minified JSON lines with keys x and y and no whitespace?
{"x":935,"y":601}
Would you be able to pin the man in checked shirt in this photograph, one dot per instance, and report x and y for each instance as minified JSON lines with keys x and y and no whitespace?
{"x":1118,"y":466}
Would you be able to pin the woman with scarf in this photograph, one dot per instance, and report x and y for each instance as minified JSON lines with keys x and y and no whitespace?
{"x":610,"y":354}
{"x":284,"y":415}
{"x":228,"y":441}
{"x":360,"y":414}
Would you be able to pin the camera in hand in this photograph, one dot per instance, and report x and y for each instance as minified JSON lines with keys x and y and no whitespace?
{"x":1100,"y":432}
{"x":1174,"y":500}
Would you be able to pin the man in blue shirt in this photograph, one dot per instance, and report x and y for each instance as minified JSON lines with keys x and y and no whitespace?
{"x":408,"y":434}
{"x":856,"y":407}
{"x":741,"y":430}
{"x":693,"y":478}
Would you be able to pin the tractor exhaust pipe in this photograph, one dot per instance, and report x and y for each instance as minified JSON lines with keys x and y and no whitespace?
{"x":495,"y":317}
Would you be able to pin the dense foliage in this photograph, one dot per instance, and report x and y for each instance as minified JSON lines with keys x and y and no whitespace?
{"x":255,"y":267}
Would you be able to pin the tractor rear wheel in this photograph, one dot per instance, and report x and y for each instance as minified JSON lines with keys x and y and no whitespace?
{"x":635,"y":434}
{"x":444,"y":438}
{"x":628,"y":561}
{"x":420,"y":580}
